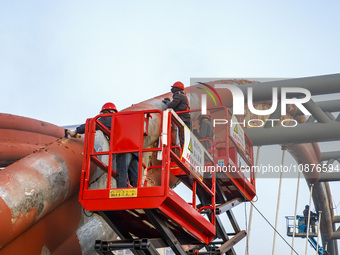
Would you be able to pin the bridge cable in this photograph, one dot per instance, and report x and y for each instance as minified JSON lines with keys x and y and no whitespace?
{"x":307,"y":227}
{"x":278,"y":198}
{"x":296,"y":203}
{"x":251,"y":208}
{"x":317,"y":239}
{"x":273,"y":228}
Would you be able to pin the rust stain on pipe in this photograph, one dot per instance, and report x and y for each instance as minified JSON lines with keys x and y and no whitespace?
{"x":53,"y":233}
{"x":33,"y":186}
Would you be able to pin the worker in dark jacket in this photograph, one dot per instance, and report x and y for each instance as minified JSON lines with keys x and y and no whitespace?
{"x":205,"y":130}
{"x":107,"y":108}
{"x":127,"y":163}
{"x":313,"y":218}
{"x":180,"y":102}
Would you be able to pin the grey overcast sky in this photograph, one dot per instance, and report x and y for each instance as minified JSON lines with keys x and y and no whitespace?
{"x":61,"y":60}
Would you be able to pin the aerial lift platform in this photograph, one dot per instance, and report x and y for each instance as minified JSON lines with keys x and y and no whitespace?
{"x":152,"y":216}
{"x":300,"y":231}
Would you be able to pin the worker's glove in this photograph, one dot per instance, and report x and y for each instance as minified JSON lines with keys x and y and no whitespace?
{"x":72,"y":133}
{"x":166,"y":101}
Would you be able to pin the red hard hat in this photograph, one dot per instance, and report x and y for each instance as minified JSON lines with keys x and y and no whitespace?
{"x":109,"y":106}
{"x":178,"y":84}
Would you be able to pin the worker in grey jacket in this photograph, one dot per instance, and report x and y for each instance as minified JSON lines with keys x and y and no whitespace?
{"x":205,"y":130}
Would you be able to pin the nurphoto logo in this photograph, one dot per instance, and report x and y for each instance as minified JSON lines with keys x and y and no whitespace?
{"x":238,"y":104}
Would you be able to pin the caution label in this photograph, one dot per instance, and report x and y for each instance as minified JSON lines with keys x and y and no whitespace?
{"x":236,"y":129}
{"x":117,"y":193}
{"x":193,"y":154}
{"x":237,"y":133}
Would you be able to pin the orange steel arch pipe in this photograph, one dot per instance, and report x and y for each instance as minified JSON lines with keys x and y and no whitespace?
{"x":34,"y":186}
{"x":20,"y":136}
{"x":64,"y":158}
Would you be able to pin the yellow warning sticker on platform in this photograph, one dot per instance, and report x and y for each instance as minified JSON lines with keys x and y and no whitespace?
{"x":237,"y":133}
{"x":236,"y":129}
{"x":193,"y":154}
{"x":117,"y":193}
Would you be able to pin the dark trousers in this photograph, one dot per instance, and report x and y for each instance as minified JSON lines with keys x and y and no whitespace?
{"x":127,"y":166}
{"x":311,"y":223}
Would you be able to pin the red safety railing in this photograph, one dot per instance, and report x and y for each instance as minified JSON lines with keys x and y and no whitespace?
{"x":229,"y":142}
{"x":188,"y":166}
{"x":130,"y":134}
{"x":236,"y":144}
{"x":126,"y":136}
